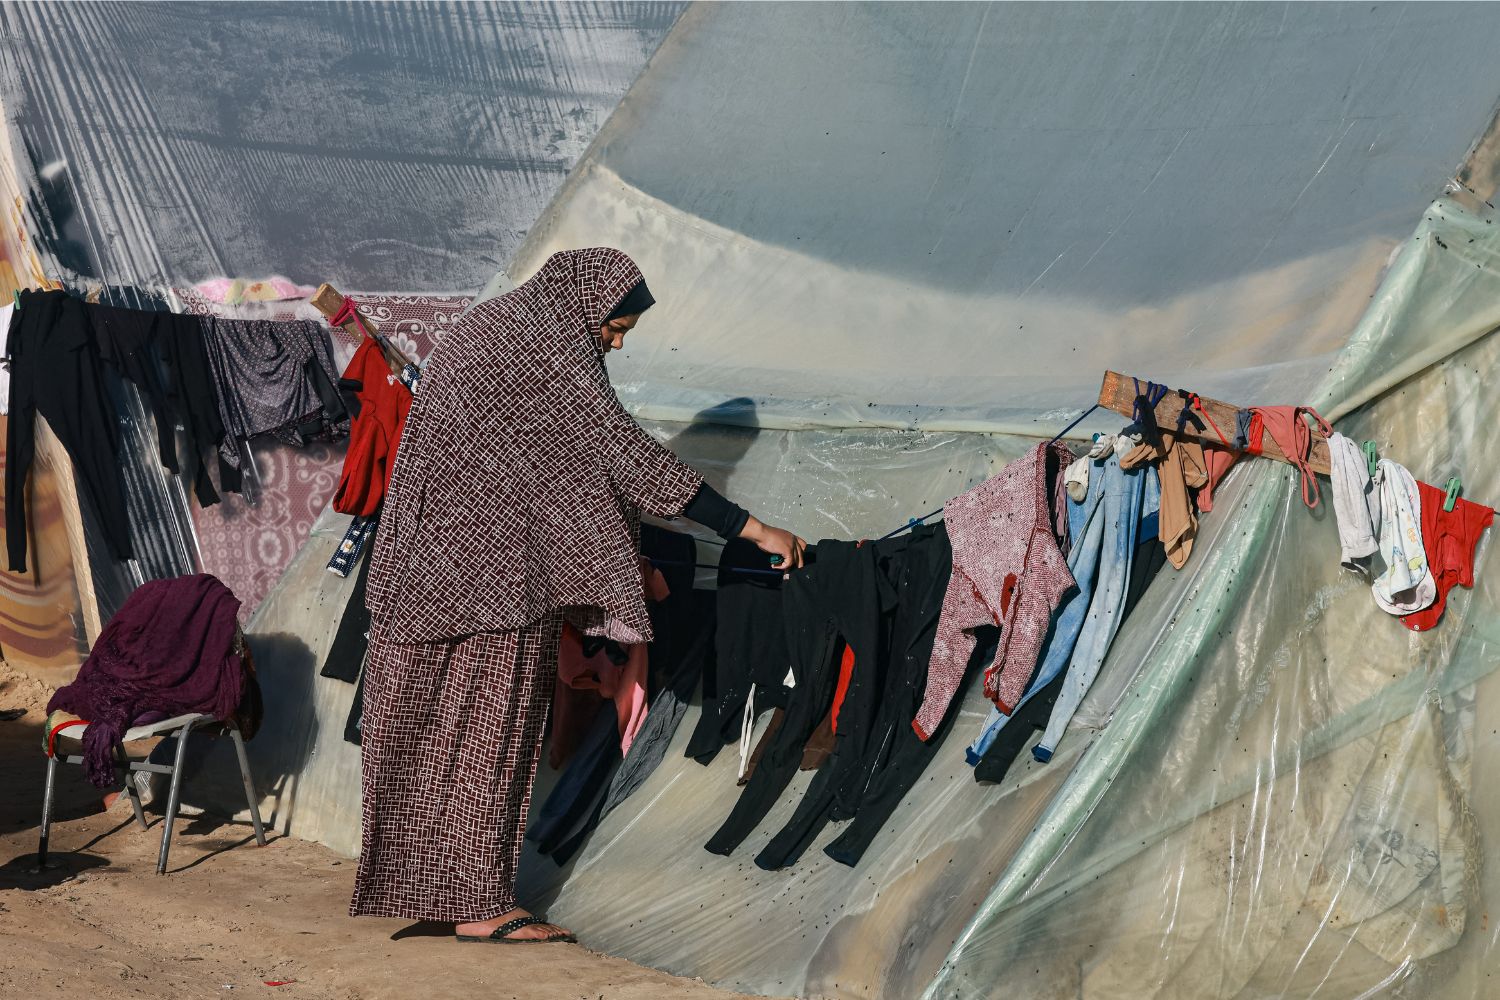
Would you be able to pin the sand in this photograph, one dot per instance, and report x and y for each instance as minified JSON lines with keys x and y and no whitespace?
{"x":229,"y":916}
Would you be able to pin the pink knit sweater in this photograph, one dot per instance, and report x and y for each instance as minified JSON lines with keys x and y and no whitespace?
{"x":1008,"y":570}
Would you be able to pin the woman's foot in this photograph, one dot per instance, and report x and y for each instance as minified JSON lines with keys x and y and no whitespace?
{"x":531,"y":932}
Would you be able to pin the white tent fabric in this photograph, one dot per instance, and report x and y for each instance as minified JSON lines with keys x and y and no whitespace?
{"x":893,"y":244}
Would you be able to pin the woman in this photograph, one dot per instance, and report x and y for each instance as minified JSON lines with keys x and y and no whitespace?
{"x":513,"y":506}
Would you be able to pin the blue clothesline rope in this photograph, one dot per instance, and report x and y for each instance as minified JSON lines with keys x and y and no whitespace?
{"x":912,"y":523}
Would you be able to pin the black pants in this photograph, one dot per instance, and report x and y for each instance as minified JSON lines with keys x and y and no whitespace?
{"x":56,"y":371}
{"x":749,"y":647}
{"x":845,"y":596}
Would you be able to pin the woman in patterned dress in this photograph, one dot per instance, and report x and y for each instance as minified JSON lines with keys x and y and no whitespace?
{"x":513,"y":507}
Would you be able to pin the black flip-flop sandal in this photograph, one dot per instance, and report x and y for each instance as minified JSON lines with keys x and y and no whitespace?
{"x":498,"y":935}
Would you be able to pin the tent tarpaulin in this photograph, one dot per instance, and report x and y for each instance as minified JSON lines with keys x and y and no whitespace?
{"x":893,"y":245}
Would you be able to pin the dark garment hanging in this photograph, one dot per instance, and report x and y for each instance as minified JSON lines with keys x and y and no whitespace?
{"x":846,"y":599}
{"x":56,"y":371}
{"x":580,"y":790}
{"x":356,"y":713}
{"x":273,"y":378}
{"x":683,"y":626}
{"x":190,"y":393}
{"x":162,"y":354}
{"x":750,"y":648}
{"x":1028,"y":720}
{"x":897,"y":610}
{"x":811,"y":642}
{"x":1147,"y":561}
{"x":903,"y":763}
{"x":126,"y":339}
{"x":346,"y":654}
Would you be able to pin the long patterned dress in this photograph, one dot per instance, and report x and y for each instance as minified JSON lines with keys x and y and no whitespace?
{"x":514,"y":505}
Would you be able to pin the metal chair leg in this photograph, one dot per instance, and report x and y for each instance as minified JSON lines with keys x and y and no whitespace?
{"x":172,"y":798}
{"x":41,"y":850}
{"x":239,"y":750}
{"x":130,"y":790}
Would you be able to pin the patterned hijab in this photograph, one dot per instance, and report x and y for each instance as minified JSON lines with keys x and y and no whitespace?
{"x":519,"y":479}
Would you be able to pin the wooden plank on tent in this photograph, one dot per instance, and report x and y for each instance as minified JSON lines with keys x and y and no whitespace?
{"x":1119,"y":391}
{"x":51,"y":453}
{"x":328,"y":301}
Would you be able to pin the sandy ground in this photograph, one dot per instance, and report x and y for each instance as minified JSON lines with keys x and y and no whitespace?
{"x":229,"y":916}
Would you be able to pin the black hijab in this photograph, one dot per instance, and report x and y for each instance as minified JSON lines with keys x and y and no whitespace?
{"x":637,"y":300}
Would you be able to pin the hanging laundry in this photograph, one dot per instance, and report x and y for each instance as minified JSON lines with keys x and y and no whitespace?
{"x":56,"y":372}
{"x":233,"y":291}
{"x":383,"y":403}
{"x":681,"y":651}
{"x":1106,"y":530}
{"x":1449,"y":538}
{"x":352,"y":546}
{"x":1008,"y":570}
{"x":1181,"y":467}
{"x":346,"y":654}
{"x":273,"y":379}
{"x":877,"y":755}
{"x":578,"y":793}
{"x":750,"y":649}
{"x":1406,"y":585}
{"x":920,"y":570}
{"x":1217,"y":461}
{"x":1356,"y":502}
{"x":839,"y":602}
{"x":1289,"y":429}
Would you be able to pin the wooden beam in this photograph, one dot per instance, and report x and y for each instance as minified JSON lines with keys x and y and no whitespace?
{"x":1119,"y":391}
{"x":328,"y":301}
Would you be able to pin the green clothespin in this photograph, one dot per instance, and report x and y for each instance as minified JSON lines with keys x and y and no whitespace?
{"x":1371,"y":457}
{"x":16,"y":294}
{"x":1454,"y":486}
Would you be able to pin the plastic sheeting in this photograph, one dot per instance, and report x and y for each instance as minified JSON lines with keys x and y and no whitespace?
{"x":1273,"y":788}
{"x":1293,"y":802}
{"x":956,"y":216}
{"x":386,"y":147}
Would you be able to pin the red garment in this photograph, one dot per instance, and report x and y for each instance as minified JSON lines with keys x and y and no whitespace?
{"x":1293,"y":437}
{"x":846,"y":671}
{"x":1449,"y":538}
{"x":1217,"y":462}
{"x":383,"y":405}
{"x":624,"y":684}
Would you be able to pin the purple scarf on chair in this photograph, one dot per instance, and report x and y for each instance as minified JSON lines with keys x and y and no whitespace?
{"x":169,"y":649}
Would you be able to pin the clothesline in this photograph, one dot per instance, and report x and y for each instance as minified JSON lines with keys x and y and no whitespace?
{"x":911,"y":523}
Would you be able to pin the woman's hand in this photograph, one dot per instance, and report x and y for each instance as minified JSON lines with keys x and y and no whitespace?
{"x":776,"y":541}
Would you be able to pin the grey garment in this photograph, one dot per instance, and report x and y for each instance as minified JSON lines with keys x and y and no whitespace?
{"x":1242,"y":430}
{"x":1356,"y":501}
{"x":683,"y":654}
{"x":648,"y":749}
{"x":273,"y":378}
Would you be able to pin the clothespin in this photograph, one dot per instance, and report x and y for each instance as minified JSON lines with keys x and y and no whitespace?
{"x":1371,"y":457}
{"x":1454,"y":486}
{"x":16,"y":294}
